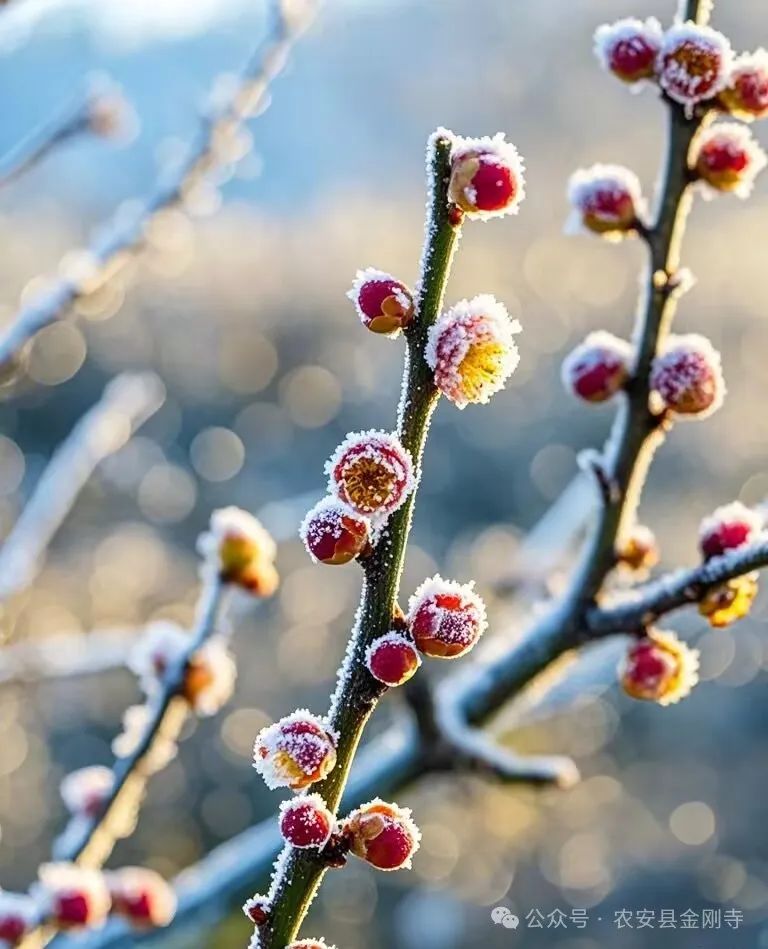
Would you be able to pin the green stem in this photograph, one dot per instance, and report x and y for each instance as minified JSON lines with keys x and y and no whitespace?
{"x":301,"y":872}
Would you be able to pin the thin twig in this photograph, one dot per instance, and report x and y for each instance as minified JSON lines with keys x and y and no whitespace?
{"x":128,"y":401}
{"x":125,"y":235}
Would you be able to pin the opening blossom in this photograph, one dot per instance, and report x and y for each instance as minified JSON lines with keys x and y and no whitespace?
{"x":142,"y":897}
{"x":727,"y":528}
{"x":371,"y":472}
{"x":597,"y":368}
{"x":333,"y":533}
{"x":306,"y":822}
{"x":446,"y":618}
{"x":84,"y":791}
{"x":392,"y":659}
{"x":694,"y":63}
{"x":659,"y":668}
{"x":72,"y":897}
{"x":629,"y":47}
{"x":382,"y":834}
{"x":605,"y":199}
{"x":295,"y":752}
{"x":728,"y":158}
{"x":239,"y":550}
{"x":383,"y":303}
{"x":17,"y":916}
{"x":729,"y":601}
{"x":487,"y":177}
{"x":472,"y":350}
{"x":746,"y":95}
{"x":687,"y":376}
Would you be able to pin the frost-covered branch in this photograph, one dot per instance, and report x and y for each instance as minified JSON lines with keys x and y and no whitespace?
{"x":128,"y":401}
{"x":218,"y":142}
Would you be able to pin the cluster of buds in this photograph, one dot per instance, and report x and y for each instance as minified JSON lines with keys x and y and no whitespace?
{"x":659,"y":668}
{"x":69,"y":898}
{"x":240,"y":552}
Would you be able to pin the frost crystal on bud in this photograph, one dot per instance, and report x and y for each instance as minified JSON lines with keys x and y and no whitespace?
{"x":295,"y":752}
{"x":628,"y":48}
{"x":729,"y":159}
{"x":72,"y":897}
{"x":487,"y":177}
{"x":597,"y":368}
{"x":607,"y":200}
{"x":694,"y":63}
{"x":384,"y":304}
{"x":659,"y":668}
{"x":85,"y":791}
{"x":638,"y":550}
{"x":306,"y":821}
{"x":392,"y":659}
{"x":310,"y":944}
{"x":17,"y":917}
{"x":371,"y":472}
{"x":727,"y":528}
{"x":472,"y":350}
{"x":446,"y":618}
{"x":383,"y":835}
{"x":746,"y":95}
{"x":729,"y":601}
{"x":142,"y":897}
{"x":240,"y":551}
{"x":688,"y":377}
{"x":333,"y":533}
{"x":257,"y":909}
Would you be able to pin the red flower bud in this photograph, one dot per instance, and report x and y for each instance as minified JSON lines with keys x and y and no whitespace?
{"x":597,"y":368}
{"x":142,"y":897}
{"x":638,"y":550}
{"x":727,"y":528}
{"x":17,"y":917}
{"x":486,"y":177}
{"x":628,"y":48}
{"x":306,"y":821}
{"x":729,"y":159}
{"x":384,"y":304}
{"x":333,"y":533}
{"x":446,"y":618}
{"x":392,"y":659}
{"x":257,"y":909}
{"x":84,"y":791}
{"x":295,"y":752}
{"x":746,"y":95}
{"x":606,"y":199}
{"x":372,"y":473}
{"x":688,"y":377}
{"x":74,"y":898}
{"x":659,"y":668}
{"x":694,"y":63}
{"x":383,"y":835}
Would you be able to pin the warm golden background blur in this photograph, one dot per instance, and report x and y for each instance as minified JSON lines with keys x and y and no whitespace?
{"x":241,"y":310}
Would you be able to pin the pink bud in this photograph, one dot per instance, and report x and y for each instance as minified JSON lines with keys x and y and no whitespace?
{"x":746,"y":95}
{"x":597,"y":368}
{"x":392,"y":659}
{"x":445,"y":618}
{"x":295,"y":752}
{"x":607,"y":200}
{"x":333,"y":533}
{"x":383,"y":835}
{"x":628,"y":48}
{"x":728,"y":527}
{"x":142,"y":897}
{"x":694,"y":63}
{"x":486,"y":177}
{"x":306,"y":821}
{"x":659,"y":668}
{"x":384,"y":304}
{"x":687,"y":376}
{"x":729,"y":159}
{"x":372,"y":473}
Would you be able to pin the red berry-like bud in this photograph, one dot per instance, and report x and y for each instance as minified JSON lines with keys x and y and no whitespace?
{"x":446,"y":618}
{"x":257,"y":909}
{"x":295,"y":752}
{"x":659,"y":668}
{"x":372,"y":473}
{"x":74,"y":898}
{"x":392,"y":659}
{"x":597,"y":368}
{"x":727,"y":528}
{"x":486,"y":177}
{"x":472,"y":350}
{"x":607,"y":200}
{"x":306,"y":821}
{"x":694,"y":63}
{"x":638,"y":550}
{"x":383,"y":835}
{"x":85,"y":791}
{"x":729,"y":159}
{"x":628,"y":48}
{"x":746,"y":95}
{"x":17,"y":917}
{"x":688,"y":377}
{"x":384,"y":304}
{"x":142,"y":897}
{"x":333,"y":533}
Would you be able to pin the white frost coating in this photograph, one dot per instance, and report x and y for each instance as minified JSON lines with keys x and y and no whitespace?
{"x":371,"y":275}
{"x":57,"y":880}
{"x":737,"y":140}
{"x":470,"y":323}
{"x":598,"y":348}
{"x":326,"y":518}
{"x":84,"y":789}
{"x":306,"y":749}
{"x":349,"y":658}
{"x":425,"y":595}
{"x":393,"y":638}
{"x":233,"y":522}
{"x":637,"y":33}
{"x":311,"y":944}
{"x":318,"y":810}
{"x":137,"y":719}
{"x":735,"y":512}
{"x":586,"y":184}
{"x":684,"y":364}
{"x":684,"y":86}
{"x":17,"y":906}
{"x":687,"y":665}
{"x":134,"y":883}
{"x":492,"y":150}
